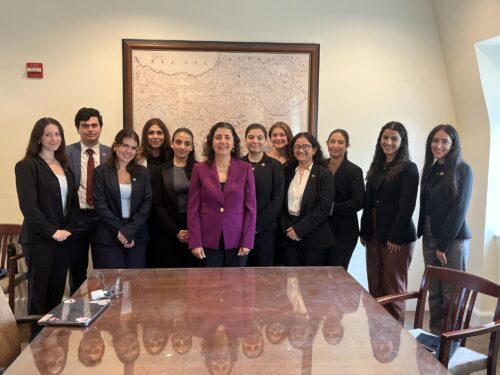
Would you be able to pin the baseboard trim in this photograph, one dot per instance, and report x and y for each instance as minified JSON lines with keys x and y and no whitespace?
{"x":481,"y":317}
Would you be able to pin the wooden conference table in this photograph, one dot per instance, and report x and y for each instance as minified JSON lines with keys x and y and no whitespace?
{"x":231,"y":321}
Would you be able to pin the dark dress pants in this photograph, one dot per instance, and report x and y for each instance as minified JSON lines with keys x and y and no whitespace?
{"x":166,"y":251}
{"x":224,"y":258}
{"x":118,"y":257}
{"x":298,"y":255}
{"x":263,"y":252}
{"x":47,"y":269}
{"x":341,"y":253}
{"x":82,"y":238}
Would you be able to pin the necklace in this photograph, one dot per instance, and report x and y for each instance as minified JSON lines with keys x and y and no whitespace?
{"x":222,"y":169}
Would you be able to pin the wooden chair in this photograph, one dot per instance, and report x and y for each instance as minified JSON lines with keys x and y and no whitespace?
{"x":9,"y":259}
{"x":10,"y":345}
{"x":457,"y":317}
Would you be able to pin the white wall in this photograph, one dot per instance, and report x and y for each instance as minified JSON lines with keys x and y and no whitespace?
{"x":381,"y":60}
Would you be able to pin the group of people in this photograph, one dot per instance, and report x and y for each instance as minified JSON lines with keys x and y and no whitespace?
{"x":149,"y":203}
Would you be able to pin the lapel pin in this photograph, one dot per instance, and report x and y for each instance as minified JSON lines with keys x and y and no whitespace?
{"x":134,"y":179}
{"x":263,"y":164}
{"x":313,"y":175}
{"x":441,"y":173}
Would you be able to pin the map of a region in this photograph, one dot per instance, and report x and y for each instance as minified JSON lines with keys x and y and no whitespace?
{"x":199,"y":89}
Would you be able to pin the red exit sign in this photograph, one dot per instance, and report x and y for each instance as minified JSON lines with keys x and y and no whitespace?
{"x":34,"y":70}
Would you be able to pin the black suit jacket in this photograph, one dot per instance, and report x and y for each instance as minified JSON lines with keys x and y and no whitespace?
{"x":349,"y":199}
{"x":165,"y":210}
{"x":107,"y":204}
{"x":447,"y":214}
{"x":269,"y":191}
{"x":395,"y":203}
{"x":312,"y":225}
{"x":39,"y":197}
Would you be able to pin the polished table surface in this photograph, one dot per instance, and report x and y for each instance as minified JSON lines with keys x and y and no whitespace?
{"x":230,"y":321}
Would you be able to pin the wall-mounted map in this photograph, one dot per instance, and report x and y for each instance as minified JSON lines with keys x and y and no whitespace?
{"x":196,"y":84}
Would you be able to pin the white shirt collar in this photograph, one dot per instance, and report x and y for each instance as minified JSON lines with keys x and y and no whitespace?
{"x":308,"y":168}
{"x":85,"y":148}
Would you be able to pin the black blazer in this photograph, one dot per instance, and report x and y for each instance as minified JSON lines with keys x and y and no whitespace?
{"x":107,"y":204}
{"x":395,"y":203}
{"x":166,"y":214}
{"x":447,"y":215}
{"x":269,"y":191}
{"x":312,"y":226}
{"x":39,"y":197}
{"x":349,"y":199}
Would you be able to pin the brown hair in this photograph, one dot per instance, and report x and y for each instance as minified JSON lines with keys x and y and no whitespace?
{"x":120,"y":136}
{"x":34,"y":144}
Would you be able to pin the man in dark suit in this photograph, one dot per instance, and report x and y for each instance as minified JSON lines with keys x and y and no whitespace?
{"x":83,"y":158}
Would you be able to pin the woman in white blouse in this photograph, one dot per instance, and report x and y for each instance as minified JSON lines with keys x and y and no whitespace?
{"x":122,"y":201}
{"x":309,"y":198}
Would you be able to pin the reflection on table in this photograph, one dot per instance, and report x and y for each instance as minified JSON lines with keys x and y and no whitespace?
{"x":230,"y":321}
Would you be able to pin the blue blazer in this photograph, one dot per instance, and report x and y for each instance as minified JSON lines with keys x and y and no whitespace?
{"x":107,"y":204}
{"x":212,"y":212}
{"x":74,"y":154}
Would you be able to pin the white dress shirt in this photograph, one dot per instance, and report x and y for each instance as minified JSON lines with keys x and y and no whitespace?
{"x":84,"y":159}
{"x":296,"y":190}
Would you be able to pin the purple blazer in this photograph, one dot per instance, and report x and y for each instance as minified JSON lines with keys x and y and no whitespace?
{"x":212,"y":211}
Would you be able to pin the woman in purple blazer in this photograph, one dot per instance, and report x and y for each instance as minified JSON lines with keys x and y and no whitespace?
{"x":221,"y":202}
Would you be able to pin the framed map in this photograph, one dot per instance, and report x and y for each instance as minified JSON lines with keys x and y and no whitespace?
{"x":197,"y":84}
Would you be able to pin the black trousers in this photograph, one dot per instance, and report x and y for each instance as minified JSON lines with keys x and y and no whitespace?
{"x":224,"y":258}
{"x":168,"y":252}
{"x":165,"y":251}
{"x":298,"y":255}
{"x":119,"y":257}
{"x":262,"y":254}
{"x":82,"y":238}
{"x":47,"y":269}
{"x":341,"y":253}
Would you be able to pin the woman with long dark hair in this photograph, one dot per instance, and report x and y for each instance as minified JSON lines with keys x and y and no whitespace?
{"x":349,"y":199}
{"x":170,"y":192}
{"x":269,"y":190}
{"x":221,"y":202}
{"x":444,"y":198}
{"x":387,"y":228}
{"x":154,"y":149}
{"x":122,"y":201}
{"x":48,"y":199}
{"x":309,"y":194}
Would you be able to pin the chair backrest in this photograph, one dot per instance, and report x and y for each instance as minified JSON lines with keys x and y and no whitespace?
{"x":10,"y":346}
{"x":465,"y":289}
{"x":9,"y":233}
